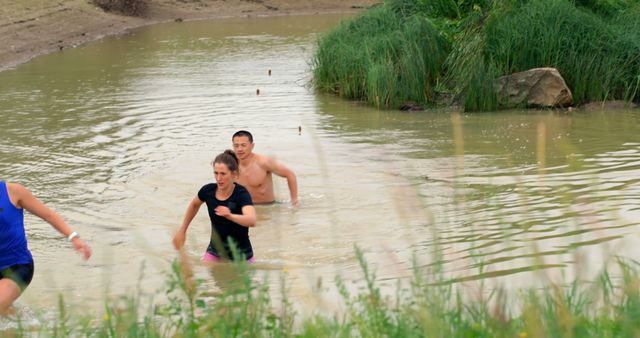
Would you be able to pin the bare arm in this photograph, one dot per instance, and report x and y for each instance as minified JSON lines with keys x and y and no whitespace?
{"x":26,"y":200}
{"x":283,"y":171}
{"x":247,"y":219}
{"x":190,"y":213}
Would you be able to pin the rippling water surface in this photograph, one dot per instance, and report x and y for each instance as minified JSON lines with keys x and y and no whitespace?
{"x":118,"y":135}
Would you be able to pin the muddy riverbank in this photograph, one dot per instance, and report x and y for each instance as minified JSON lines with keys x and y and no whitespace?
{"x":29,"y":28}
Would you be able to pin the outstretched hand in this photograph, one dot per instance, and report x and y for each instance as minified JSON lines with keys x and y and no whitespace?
{"x":82,"y":248}
{"x":178,"y":240}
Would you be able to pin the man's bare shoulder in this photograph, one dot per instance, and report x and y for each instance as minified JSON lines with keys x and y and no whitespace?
{"x":263,"y":161}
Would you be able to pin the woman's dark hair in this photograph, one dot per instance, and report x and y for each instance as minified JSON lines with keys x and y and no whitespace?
{"x":229,"y":158}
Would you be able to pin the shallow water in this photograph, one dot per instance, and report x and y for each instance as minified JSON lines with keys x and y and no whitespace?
{"x":118,"y":135}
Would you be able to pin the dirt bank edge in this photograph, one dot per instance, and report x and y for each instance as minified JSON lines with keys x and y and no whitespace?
{"x":30,"y":28}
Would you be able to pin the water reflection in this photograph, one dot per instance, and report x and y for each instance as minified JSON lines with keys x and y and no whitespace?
{"x":534,"y":190}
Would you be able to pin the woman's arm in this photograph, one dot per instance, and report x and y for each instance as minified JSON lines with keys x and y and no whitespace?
{"x":192,"y":210}
{"x":26,"y":200}
{"x":247,"y":219}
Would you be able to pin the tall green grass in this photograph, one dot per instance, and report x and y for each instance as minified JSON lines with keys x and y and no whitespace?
{"x":606,"y":8}
{"x":427,"y":306}
{"x":598,"y":59}
{"x":411,"y":50}
{"x":383,"y":58}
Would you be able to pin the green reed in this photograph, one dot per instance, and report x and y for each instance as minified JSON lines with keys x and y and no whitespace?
{"x":415,"y":50}
{"x":598,"y":58}
{"x":428,"y":306}
{"x":383,"y":58}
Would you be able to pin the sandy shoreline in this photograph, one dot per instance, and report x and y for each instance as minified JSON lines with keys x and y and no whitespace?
{"x":29,"y":28}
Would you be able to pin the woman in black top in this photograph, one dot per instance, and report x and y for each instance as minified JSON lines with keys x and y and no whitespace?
{"x":230,"y":209}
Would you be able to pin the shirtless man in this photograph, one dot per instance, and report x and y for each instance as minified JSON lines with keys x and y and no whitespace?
{"x":256,"y":170}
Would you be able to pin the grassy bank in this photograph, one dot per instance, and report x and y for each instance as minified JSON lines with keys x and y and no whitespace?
{"x":427,"y":307}
{"x":383,"y":58}
{"x":428,"y":51}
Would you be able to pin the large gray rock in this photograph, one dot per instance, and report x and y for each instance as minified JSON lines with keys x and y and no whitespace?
{"x":537,"y":87}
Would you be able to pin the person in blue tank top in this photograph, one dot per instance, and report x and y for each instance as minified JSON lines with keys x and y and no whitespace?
{"x":230,"y":209}
{"x":16,"y":262}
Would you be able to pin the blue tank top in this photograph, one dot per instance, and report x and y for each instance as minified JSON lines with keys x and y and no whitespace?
{"x":13,"y":241}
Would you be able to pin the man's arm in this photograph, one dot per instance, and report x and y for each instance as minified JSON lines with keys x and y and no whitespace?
{"x":283,"y":171}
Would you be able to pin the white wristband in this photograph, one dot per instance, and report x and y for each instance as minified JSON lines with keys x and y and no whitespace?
{"x":72,"y":236}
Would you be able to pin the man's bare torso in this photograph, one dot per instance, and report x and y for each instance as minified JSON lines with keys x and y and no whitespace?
{"x":257,"y":179}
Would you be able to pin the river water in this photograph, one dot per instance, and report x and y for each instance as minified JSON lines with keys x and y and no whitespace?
{"x":118,"y":135}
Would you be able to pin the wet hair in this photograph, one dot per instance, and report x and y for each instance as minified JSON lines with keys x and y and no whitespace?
{"x":228,"y":158}
{"x":243,"y":133}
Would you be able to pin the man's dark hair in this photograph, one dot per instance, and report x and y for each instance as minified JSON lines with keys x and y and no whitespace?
{"x":243,"y":133}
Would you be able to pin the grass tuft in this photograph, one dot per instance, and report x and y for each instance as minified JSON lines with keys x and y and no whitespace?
{"x":126,"y":7}
{"x":383,"y":58}
{"x":411,"y":50}
{"x":428,"y":306}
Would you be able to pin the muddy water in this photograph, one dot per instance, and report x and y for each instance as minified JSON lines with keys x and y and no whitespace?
{"x":118,"y":136}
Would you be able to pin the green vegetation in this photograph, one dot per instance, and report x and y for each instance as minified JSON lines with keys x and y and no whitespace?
{"x":427,"y":51}
{"x":428,"y":307}
{"x":397,"y":59}
{"x":126,"y":7}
